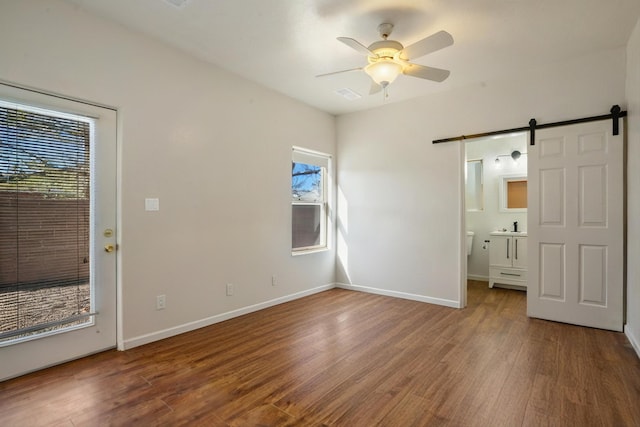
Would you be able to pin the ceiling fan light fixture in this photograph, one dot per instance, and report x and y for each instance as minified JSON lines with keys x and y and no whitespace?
{"x":384,"y":72}
{"x":389,"y":58}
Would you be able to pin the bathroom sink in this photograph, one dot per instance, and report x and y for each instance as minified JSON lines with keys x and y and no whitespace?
{"x":508,"y":233}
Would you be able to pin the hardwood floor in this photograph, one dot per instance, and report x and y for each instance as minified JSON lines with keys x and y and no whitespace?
{"x":342,"y":358}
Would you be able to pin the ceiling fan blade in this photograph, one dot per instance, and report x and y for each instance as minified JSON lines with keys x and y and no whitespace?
{"x":356,"y":45}
{"x":338,"y":72}
{"x":375,"y":88}
{"x":434,"y":42}
{"x":429,"y":73}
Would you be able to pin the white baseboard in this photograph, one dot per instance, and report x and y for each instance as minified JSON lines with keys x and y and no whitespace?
{"x":186,"y":327}
{"x":634,"y":339}
{"x":413,"y":297}
{"x":478,"y":277}
{"x":180,"y":329}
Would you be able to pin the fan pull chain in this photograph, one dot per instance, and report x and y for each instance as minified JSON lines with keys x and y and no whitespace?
{"x":385,"y":94}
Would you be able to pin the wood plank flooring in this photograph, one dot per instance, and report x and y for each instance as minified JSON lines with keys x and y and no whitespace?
{"x":343,"y":358}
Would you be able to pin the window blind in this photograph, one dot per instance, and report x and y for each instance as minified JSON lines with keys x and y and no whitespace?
{"x":44,"y":220}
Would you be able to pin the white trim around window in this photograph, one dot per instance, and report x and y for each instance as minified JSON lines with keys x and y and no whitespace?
{"x":309,"y":201}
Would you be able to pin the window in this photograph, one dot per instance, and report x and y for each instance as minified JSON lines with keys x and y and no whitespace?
{"x":474,"y":186}
{"x":309,"y":171}
{"x":45,"y":221}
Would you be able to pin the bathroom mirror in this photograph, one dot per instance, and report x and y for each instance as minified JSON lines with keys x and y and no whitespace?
{"x":474,"y":186}
{"x":513,"y":193}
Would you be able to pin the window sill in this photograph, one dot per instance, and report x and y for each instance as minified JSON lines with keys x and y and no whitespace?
{"x":309,"y":251}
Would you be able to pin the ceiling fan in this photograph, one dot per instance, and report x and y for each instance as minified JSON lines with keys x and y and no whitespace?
{"x":389,"y":58}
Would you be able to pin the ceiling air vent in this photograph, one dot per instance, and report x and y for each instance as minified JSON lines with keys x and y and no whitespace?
{"x":179,"y":4}
{"x":348,"y":94}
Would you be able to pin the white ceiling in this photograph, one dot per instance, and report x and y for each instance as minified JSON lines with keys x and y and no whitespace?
{"x":284,"y":44}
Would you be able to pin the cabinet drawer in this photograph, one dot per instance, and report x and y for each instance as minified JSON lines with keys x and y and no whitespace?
{"x":511,"y":274}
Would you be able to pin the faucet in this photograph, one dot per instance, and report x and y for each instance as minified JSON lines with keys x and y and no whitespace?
{"x":515,"y":226}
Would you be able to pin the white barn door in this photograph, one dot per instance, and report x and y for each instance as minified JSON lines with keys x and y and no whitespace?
{"x":576,"y":225}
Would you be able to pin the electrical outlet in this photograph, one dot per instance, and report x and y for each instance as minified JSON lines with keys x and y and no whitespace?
{"x":229,"y":289}
{"x":273,"y":280}
{"x":161,"y":302}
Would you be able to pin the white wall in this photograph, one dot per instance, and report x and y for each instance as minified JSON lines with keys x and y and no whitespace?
{"x":632,"y":328}
{"x":402,"y":193}
{"x":491,"y":218}
{"x":214,"y":148}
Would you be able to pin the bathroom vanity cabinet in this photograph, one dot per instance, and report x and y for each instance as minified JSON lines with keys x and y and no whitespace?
{"x":508,"y":258}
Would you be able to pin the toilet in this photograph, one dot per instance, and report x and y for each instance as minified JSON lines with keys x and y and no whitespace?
{"x":469,"y":241}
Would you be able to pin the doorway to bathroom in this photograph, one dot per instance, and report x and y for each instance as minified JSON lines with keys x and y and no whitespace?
{"x":496,"y":210}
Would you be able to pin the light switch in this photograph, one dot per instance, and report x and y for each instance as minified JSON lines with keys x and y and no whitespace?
{"x":151,"y":204}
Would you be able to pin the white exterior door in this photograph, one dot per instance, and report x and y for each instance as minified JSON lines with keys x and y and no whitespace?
{"x":96,"y":329}
{"x":576,"y":225}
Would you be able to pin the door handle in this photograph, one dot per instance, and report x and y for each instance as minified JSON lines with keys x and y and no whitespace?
{"x":516,"y":242}
{"x":507,"y":248}
{"x":109,"y":248}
